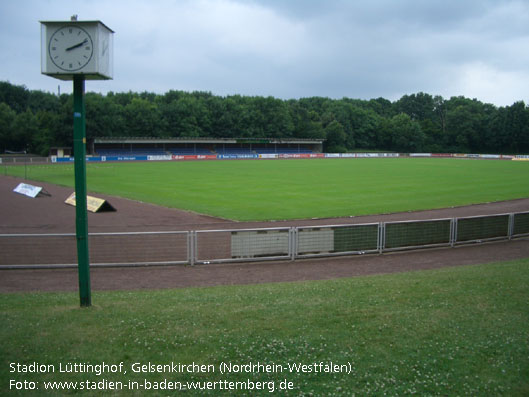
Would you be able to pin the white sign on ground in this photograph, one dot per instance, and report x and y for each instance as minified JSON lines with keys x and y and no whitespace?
{"x":28,"y":190}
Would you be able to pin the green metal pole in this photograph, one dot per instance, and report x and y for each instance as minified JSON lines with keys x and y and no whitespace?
{"x":81,"y":218}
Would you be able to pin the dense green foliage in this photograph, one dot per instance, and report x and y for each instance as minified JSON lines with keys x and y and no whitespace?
{"x":453,"y":331}
{"x":34,"y":120}
{"x":293,"y":189}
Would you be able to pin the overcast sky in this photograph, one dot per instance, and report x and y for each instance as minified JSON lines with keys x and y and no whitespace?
{"x":290,"y":48}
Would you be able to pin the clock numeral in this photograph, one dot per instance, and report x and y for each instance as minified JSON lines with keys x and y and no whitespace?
{"x":70,"y":66}
{"x":87,"y":48}
{"x":54,"y":48}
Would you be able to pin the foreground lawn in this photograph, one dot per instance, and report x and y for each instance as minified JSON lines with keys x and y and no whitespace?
{"x":295,"y":189}
{"x":454,"y":331}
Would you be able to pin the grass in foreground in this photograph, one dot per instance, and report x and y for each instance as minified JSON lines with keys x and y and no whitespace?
{"x":296,"y":189}
{"x":454,"y":331}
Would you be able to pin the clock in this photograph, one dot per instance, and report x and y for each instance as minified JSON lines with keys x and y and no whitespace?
{"x":71,"y":48}
{"x":74,"y":47}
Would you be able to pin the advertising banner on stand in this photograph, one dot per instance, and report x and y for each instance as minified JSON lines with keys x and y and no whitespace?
{"x":28,"y":190}
{"x":93,"y":204}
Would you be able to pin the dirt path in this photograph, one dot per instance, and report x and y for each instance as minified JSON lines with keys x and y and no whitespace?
{"x":20,"y":214}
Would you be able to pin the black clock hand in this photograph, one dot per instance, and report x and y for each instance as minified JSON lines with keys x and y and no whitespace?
{"x":77,"y":45}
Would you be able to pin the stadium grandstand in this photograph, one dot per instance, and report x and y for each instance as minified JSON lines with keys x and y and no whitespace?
{"x":201,"y":146}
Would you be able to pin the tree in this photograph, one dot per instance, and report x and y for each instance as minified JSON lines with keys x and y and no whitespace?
{"x":15,"y":96}
{"x":49,"y":133}
{"x":39,"y":100}
{"x":24,"y":130}
{"x":271,"y":118}
{"x":381,"y":107}
{"x":186,"y":117}
{"x":439,"y":110}
{"x":335,"y":138}
{"x":464,"y":125}
{"x":416,"y":122}
{"x":408,"y":134}
{"x":365,"y":124}
{"x":307,"y":124}
{"x":7,"y":118}
{"x":142,"y":118}
{"x":402,"y":134}
{"x":418,"y":106}
{"x":517,"y":125}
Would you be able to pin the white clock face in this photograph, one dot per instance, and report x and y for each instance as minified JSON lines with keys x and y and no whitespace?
{"x":70,"y":48}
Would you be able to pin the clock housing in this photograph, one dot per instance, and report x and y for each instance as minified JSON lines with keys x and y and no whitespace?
{"x":71,"y":48}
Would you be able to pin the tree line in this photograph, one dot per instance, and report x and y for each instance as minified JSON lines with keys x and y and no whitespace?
{"x":34,"y":121}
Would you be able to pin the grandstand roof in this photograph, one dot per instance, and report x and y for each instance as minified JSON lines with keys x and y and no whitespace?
{"x":205,"y":140}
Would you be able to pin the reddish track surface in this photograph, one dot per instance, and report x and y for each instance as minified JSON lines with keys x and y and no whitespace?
{"x":20,"y":214}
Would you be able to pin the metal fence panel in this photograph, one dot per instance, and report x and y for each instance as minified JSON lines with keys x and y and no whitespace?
{"x":336,"y":240}
{"x":38,"y":249}
{"x":480,"y":228}
{"x":139,"y":248}
{"x":315,"y":240}
{"x":409,"y":234}
{"x":521,"y":224}
{"x":242,"y":245}
{"x":259,"y":243}
{"x":105,"y":248}
{"x":356,"y":238}
{"x":23,"y":160}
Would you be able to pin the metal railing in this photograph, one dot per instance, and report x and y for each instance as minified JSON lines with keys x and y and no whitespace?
{"x":263,"y":244}
{"x":106,"y":249}
{"x":242,"y":245}
{"x":20,"y":160}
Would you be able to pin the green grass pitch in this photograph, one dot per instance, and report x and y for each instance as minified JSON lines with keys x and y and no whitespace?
{"x":452,"y":331}
{"x":295,"y":189}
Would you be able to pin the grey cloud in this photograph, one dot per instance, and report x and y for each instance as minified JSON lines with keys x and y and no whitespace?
{"x":290,"y":49}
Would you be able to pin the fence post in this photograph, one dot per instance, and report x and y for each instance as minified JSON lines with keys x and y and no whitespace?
{"x":191,"y":257}
{"x":292,"y":242}
{"x":454,"y":231}
{"x":511,"y":226}
{"x":381,"y":237}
